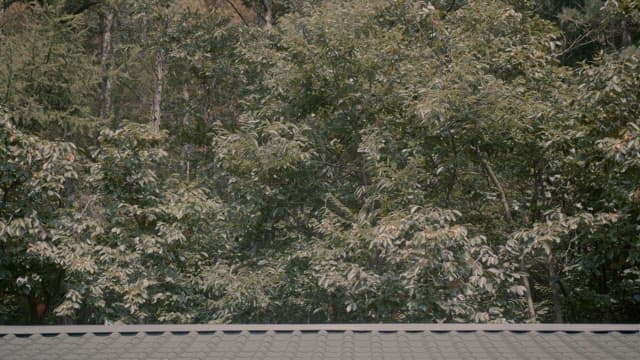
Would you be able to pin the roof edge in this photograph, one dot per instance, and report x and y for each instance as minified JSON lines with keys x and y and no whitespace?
{"x":70,"y":329}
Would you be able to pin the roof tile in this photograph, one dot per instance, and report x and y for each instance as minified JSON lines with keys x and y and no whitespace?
{"x":321,"y":342}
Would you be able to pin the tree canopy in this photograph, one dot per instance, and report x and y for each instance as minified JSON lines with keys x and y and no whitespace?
{"x":179,"y":161}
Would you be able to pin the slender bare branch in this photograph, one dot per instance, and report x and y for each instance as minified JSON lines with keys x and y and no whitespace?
{"x":237,"y":11}
{"x":494,"y":180}
{"x":488,"y":169}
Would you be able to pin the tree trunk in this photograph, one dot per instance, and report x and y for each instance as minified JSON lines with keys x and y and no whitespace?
{"x":488,"y":169}
{"x":156,"y":112}
{"x":1,"y":18}
{"x":36,"y":309}
{"x":268,"y":13}
{"x":525,"y":282}
{"x":254,"y":248}
{"x":187,"y":106}
{"x":106,"y":60}
{"x":555,"y":288}
{"x":626,"y":35}
{"x":453,"y":177}
{"x":9,"y":64}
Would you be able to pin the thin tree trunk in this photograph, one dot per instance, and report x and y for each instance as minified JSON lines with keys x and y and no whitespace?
{"x":36,"y":309}
{"x":451,"y":5}
{"x":488,"y":169}
{"x":626,"y":36}
{"x":453,"y":178}
{"x":106,"y":60}
{"x":9,"y":51}
{"x":187,"y":106}
{"x":555,"y":288}
{"x":1,"y":18}
{"x":525,"y":282}
{"x":156,"y":112}
{"x":534,"y":212}
{"x":268,"y":13}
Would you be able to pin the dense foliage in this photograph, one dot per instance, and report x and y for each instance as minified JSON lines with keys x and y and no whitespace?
{"x":319,"y":161}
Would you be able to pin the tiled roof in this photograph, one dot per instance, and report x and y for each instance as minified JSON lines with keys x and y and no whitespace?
{"x":336,"y":341}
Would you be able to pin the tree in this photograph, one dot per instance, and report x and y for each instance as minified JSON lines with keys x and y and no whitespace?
{"x":46,"y":80}
{"x":345,"y":77}
{"x":589,"y":26}
{"x":140,"y":239}
{"x":35,"y":176}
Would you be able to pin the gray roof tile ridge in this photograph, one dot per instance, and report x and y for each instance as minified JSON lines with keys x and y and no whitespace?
{"x":209,"y":328}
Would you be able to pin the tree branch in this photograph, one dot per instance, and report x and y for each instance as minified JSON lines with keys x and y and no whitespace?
{"x":486,"y":166}
{"x":494,"y":180}
{"x":237,"y":11}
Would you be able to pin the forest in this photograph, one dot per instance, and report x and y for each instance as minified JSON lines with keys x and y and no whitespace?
{"x":319,"y":161}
